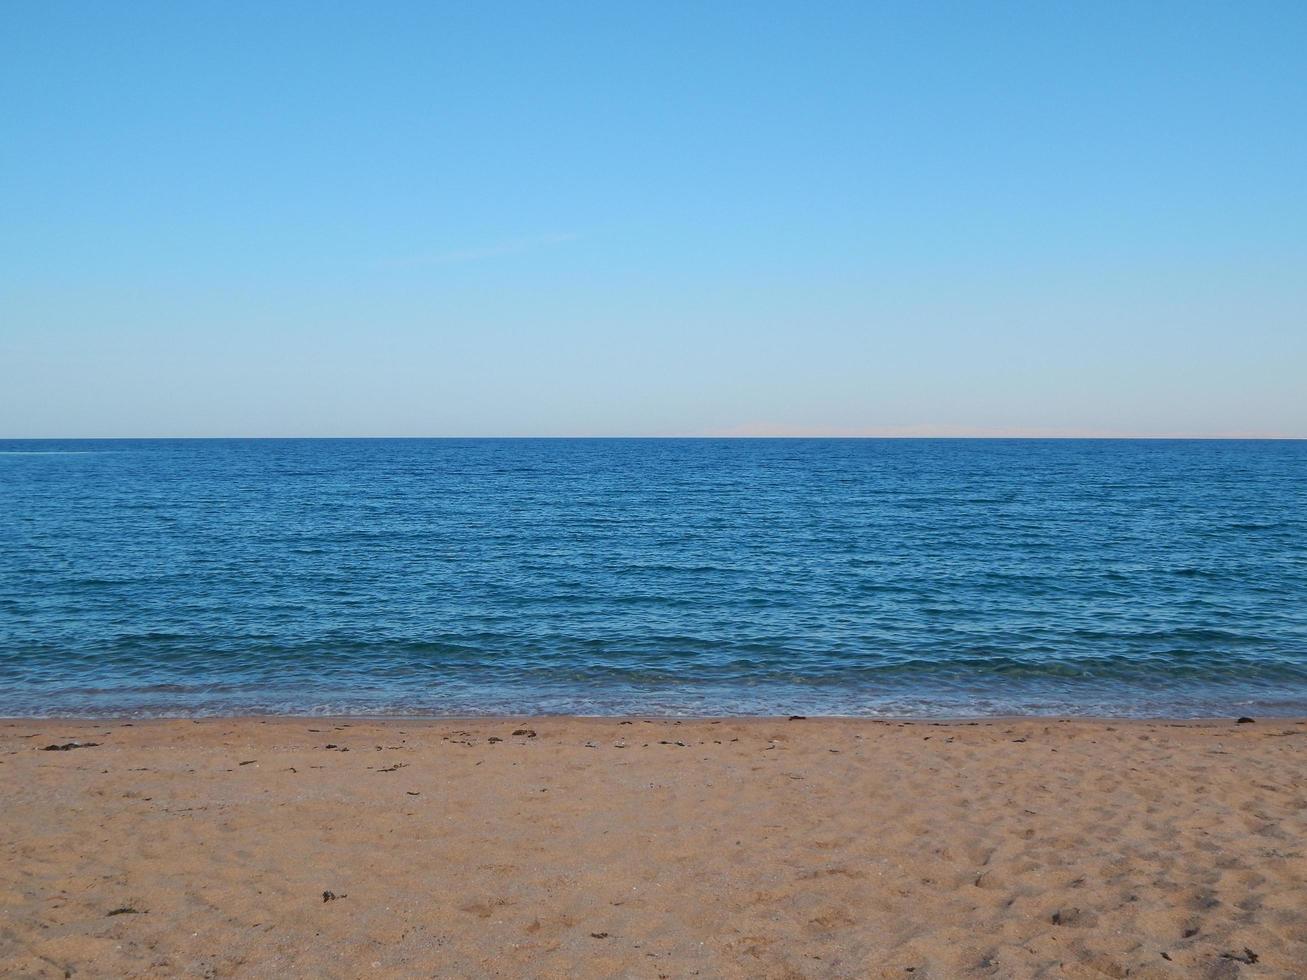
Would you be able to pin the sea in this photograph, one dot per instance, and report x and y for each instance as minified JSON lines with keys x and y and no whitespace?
{"x":449,"y":577}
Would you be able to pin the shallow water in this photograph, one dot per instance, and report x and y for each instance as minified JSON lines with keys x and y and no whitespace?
{"x":901,"y":577}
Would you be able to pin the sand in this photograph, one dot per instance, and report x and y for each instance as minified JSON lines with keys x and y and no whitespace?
{"x":739,"y":848}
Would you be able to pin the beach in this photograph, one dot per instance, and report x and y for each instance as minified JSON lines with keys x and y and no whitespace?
{"x":559,"y":846}
{"x":653,"y":491}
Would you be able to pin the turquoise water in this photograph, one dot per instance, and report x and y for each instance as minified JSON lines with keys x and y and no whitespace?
{"x":898,"y":577}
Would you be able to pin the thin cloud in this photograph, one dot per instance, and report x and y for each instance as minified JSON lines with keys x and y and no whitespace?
{"x":514,"y":246}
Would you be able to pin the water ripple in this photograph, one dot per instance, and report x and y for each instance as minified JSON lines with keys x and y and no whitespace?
{"x":874,"y":577}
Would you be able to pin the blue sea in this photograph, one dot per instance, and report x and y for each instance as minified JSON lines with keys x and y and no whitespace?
{"x":931,"y":578}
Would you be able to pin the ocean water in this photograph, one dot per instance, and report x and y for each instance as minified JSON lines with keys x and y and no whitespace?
{"x":866,"y":577}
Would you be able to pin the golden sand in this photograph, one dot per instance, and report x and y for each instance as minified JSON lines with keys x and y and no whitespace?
{"x":585,"y":847}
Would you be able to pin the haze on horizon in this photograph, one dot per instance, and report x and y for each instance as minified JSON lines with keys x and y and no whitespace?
{"x":569,"y":219}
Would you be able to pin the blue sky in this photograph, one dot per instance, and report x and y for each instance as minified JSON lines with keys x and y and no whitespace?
{"x":653,"y":219}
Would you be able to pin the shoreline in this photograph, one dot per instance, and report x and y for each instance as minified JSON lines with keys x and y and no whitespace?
{"x":653,"y":847}
{"x":384,"y":719}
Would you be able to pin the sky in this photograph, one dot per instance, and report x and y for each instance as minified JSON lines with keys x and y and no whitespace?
{"x":465,"y":219}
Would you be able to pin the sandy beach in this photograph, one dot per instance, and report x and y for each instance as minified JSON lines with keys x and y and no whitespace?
{"x":560,"y":847}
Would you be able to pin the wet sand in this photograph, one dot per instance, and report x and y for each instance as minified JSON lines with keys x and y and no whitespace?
{"x":559,"y":847}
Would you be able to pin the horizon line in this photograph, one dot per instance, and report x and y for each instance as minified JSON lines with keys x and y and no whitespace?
{"x":711,"y":437}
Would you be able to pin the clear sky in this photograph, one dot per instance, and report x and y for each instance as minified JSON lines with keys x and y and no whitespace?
{"x":488,"y":218}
